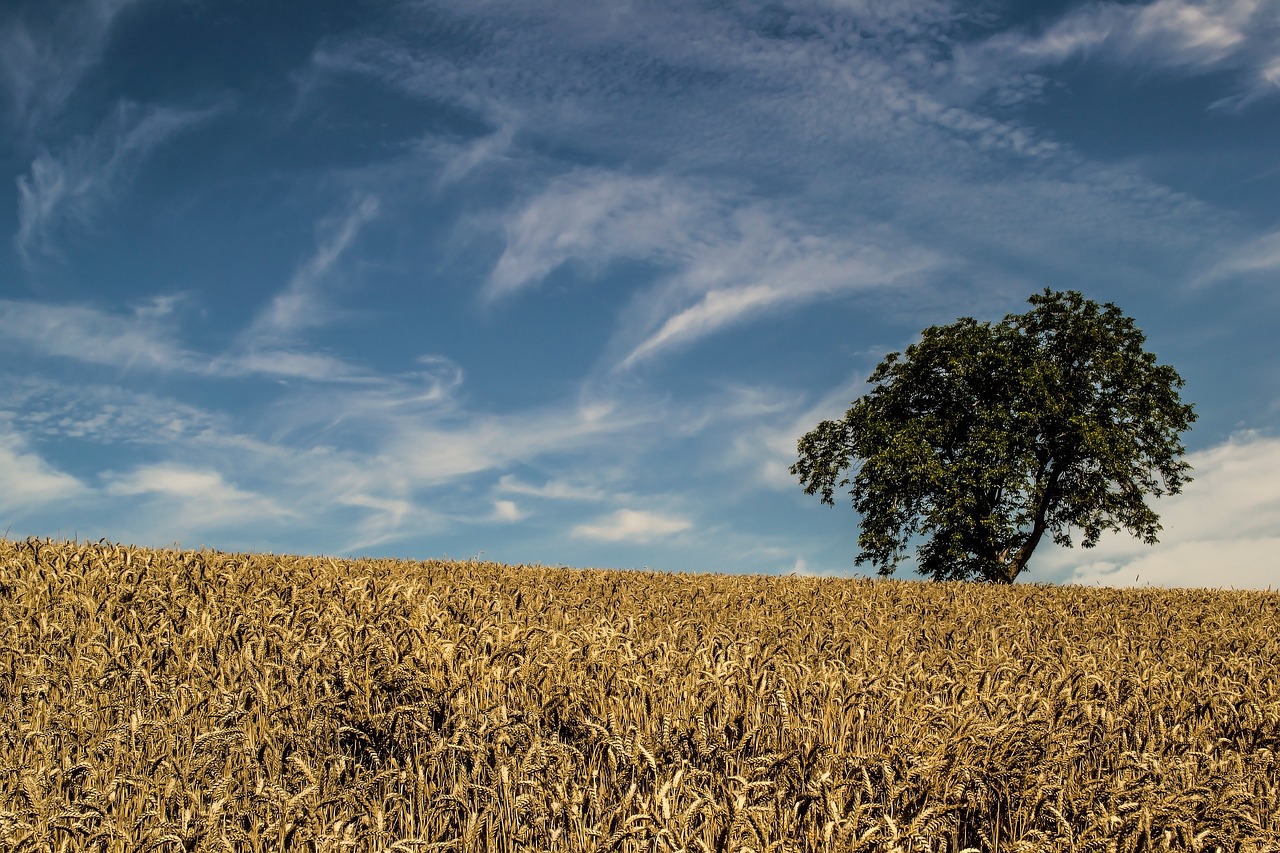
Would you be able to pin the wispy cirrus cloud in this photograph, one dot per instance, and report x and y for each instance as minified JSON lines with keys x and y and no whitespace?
{"x":147,"y":337}
{"x":769,"y":269}
{"x":702,"y":86}
{"x":142,"y":338}
{"x":392,"y":457}
{"x":41,"y":65}
{"x":554,"y":489}
{"x":723,"y":258}
{"x":706,"y":87}
{"x":595,"y":217}
{"x":67,"y":190}
{"x":432,"y":453}
{"x":367,"y":469}
{"x":300,"y":305}
{"x":771,"y":422}
{"x":1259,"y":255}
{"x":1182,"y":36}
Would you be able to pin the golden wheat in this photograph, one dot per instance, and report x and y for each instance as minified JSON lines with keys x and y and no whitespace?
{"x":180,"y":700}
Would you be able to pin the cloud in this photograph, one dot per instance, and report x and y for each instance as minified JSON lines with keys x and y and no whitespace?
{"x":552,"y":490}
{"x":1182,"y":36}
{"x":299,"y":305}
{"x":802,"y":569}
{"x":27,"y":481}
{"x":595,"y":217}
{"x":194,"y":498}
{"x":461,"y":161}
{"x":628,"y":525}
{"x":717,"y":109}
{"x":387,"y":520}
{"x":85,"y":334}
{"x":104,"y":414}
{"x":773,"y":265}
{"x":286,"y":364}
{"x":764,"y":441}
{"x":147,"y":338}
{"x":40,"y":68}
{"x":431,"y":453}
{"x":1220,"y":532}
{"x":721,"y":259}
{"x":1260,"y":255}
{"x":506,"y":511}
{"x":701,"y":86}
{"x":69,"y":189}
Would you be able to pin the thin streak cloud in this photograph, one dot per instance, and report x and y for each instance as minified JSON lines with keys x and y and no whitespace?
{"x":770,"y":271}
{"x":300,"y":304}
{"x":68,"y":190}
{"x":1257,"y":256}
{"x":41,"y":66}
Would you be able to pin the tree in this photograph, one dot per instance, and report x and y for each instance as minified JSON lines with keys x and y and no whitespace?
{"x":984,"y":437}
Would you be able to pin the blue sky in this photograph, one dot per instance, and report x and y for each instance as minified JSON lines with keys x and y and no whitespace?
{"x":563,"y":282}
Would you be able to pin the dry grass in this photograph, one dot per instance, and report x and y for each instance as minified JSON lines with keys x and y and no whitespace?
{"x":168,"y":700}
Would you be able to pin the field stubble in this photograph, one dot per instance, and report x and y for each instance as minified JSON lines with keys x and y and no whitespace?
{"x":171,"y":700}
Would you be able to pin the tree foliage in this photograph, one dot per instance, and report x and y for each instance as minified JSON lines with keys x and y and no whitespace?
{"x":983,"y":437}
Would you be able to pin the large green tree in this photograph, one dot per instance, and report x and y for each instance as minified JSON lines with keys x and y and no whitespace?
{"x":983,"y":437}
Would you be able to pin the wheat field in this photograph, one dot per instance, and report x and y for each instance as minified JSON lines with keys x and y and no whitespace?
{"x":196,"y":700}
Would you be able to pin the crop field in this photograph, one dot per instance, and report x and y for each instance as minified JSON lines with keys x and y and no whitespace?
{"x":196,"y":700}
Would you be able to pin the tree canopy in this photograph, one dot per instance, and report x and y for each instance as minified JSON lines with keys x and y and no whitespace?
{"x":983,"y":437}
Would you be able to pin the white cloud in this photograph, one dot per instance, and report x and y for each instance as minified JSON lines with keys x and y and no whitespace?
{"x":690,"y":94}
{"x":715,"y":309}
{"x":69,"y":189}
{"x":1190,"y":36}
{"x":299,"y":305}
{"x":595,"y":217}
{"x":1271,"y":73}
{"x":387,"y":520}
{"x":380,"y":446}
{"x":92,"y":336}
{"x":146,"y":338}
{"x":723,"y":259}
{"x":27,"y":481}
{"x":287,"y":364}
{"x":802,"y":569}
{"x":194,"y":499}
{"x":430,"y":453}
{"x":629,"y":525}
{"x":101,"y":413}
{"x":1220,"y":532}
{"x":552,"y":489}
{"x":1262,"y":254}
{"x":506,"y":511}
{"x":40,"y":69}
{"x":460,"y":161}
{"x":770,"y":266}
{"x":765,"y":447}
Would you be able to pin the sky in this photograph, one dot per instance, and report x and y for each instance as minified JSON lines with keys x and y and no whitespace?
{"x":562,"y":282}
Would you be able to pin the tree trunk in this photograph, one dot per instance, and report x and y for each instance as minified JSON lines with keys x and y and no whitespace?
{"x":1015,"y":566}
